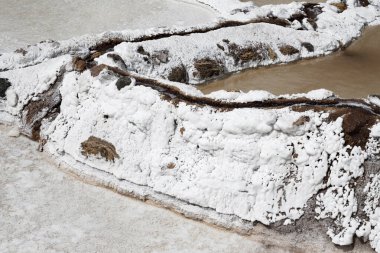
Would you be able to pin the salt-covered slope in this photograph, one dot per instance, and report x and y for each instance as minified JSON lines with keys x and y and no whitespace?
{"x":249,"y":164}
{"x":289,"y":36}
{"x":230,"y":158}
{"x":229,"y":165}
{"x":45,"y":210}
{"x":198,"y":57}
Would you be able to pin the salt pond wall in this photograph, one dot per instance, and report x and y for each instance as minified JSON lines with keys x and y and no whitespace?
{"x":102,"y":107}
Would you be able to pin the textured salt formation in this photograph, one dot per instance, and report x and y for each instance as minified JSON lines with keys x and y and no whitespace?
{"x":217,"y":158}
{"x":323,"y":20}
{"x":239,"y":165}
{"x":295,"y":31}
{"x":218,"y":52}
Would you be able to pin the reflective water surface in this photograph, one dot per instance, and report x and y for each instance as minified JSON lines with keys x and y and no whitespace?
{"x":354,"y":72}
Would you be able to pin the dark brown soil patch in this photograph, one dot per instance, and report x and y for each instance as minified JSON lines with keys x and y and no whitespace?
{"x":208,"y":68}
{"x":171,"y":166}
{"x":357,"y":121}
{"x":142,"y":51}
{"x":252,"y":53}
{"x":95,"y":71}
{"x":364,"y":3}
{"x":341,"y":6}
{"x":21,"y":51}
{"x":45,"y":105}
{"x":249,"y":54}
{"x":273,"y":20}
{"x":4,"y":85}
{"x":302,"y":121}
{"x":178,"y":74}
{"x":310,"y":11}
{"x":79,"y":64}
{"x":117,"y":58}
{"x":309,"y":47}
{"x":272,"y":54}
{"x":220,"y":47}
{"x":297,"y":16}
{"x":95,"y":55}
{"x":96,"y":146}
{"x":288,"y":50}
{"x":107,"y":45}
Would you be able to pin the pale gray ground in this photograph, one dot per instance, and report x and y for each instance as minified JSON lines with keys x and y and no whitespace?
{"x":25,"y":22}
{"x":43,"y":209}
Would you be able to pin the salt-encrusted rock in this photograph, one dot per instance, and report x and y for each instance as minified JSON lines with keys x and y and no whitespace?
{"x":178,"y":74}
{"x":79,"y":64}
{"x":123,"y":82}
{"x":340,"y":6}
{"x":288,"y":50}
{"x":208,"y":68}
{"x":309,"y":47}
{"x":96,"y":146}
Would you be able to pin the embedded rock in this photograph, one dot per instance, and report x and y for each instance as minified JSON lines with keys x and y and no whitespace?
{"x":95,"y":146}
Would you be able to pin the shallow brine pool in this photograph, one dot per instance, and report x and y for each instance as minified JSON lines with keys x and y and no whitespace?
{"x":24,"y":22}
{"x":352,"y":73}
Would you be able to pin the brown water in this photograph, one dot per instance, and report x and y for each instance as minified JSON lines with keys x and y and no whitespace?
{"x":352,"y":73}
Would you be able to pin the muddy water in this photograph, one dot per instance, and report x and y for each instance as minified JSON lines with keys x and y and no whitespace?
{"x":25,"y":22}
{"x":352,"y":73}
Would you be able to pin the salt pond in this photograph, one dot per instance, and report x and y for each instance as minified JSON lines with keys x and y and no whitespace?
{"x":29,"y":22}
{"x":354,"y":72}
